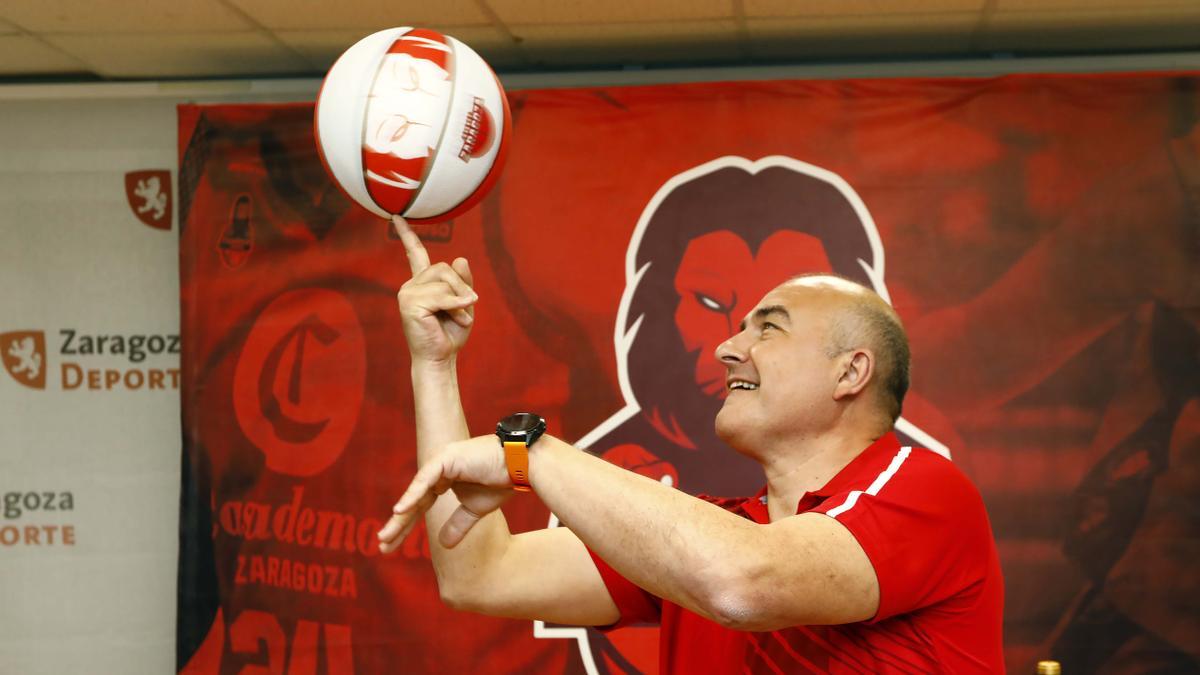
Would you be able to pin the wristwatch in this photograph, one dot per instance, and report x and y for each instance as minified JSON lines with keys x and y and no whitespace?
{"x":516,"y":433}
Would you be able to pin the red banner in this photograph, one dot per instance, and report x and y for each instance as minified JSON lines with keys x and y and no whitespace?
{"x":1038,"y":235}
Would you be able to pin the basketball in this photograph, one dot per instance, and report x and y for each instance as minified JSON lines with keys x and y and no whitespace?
{"x":412,"y":122}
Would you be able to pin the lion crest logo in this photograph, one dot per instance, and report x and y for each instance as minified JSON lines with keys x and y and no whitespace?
{"x":24,"y":356}
{"x":149,"y":196}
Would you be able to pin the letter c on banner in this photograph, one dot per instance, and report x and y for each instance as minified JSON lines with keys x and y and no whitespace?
{"x":300,"y":380}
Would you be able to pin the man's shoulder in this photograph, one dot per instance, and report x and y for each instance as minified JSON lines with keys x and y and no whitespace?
{"x":930,"y":477}
{"x":927,"y":464}
{"x":905,"y":475}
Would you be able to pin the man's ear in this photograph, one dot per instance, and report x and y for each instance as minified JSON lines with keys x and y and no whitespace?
{"x":858,"y":367}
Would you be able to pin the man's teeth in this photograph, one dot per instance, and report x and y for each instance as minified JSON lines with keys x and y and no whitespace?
{"x":743,"y":385}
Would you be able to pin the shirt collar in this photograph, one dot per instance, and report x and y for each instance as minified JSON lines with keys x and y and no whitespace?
{"x":881,"y":451}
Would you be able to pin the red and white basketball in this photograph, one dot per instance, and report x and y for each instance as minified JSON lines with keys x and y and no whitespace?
{"x":412,"y":122}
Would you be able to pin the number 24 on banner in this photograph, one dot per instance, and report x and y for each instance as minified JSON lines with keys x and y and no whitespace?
{"x":254,"y":632}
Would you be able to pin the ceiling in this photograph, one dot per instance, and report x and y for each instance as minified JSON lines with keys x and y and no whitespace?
{"x":90,"y":40}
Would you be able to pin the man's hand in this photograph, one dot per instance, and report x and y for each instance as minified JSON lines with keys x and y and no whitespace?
{"x":437,"y":304}
{"x":475,"y":469}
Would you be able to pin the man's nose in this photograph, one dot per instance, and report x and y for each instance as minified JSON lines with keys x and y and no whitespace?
{"x":730,"y":351}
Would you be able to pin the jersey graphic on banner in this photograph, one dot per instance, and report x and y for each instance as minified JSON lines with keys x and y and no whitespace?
{"x":300,"y":380}
{"x":24,"y":354}
{"x":300,"y":425}
{"x":710,"y":242}
{"x":149,"y":196}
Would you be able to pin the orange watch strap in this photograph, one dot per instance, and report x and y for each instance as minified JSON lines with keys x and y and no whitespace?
{"x":516,"y":456}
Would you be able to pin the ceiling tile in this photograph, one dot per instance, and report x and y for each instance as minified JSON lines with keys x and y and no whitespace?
{"x":617,"y":44}
{"x":322,"y":48}
{"x":527,"y":12}
{"x":866,"y":8}
{"x":217,"y":38}
{"x":873,"y":37}
{"x":122,"y":16}
{"x":25,"y":55}
{"x":368,"y":15}
{"x":622,"y":32}
{"x":182,"y":54}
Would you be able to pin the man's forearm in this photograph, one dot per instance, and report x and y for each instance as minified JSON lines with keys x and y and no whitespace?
{"x":663,"y":540}
{"x":440,"y":421}
{"x":438,"y":407}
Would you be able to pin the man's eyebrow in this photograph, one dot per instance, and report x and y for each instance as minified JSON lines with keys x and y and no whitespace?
{"x":762,"y":313}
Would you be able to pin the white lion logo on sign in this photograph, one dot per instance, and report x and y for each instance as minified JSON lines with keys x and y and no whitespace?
{"x":29,"y":362}
{"x":153,"y":198}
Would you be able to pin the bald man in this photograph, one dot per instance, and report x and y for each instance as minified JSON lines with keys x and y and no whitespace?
{"x":858,"y":556}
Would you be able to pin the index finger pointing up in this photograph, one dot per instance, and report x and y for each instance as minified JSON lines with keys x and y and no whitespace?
{"x":418,"y":257}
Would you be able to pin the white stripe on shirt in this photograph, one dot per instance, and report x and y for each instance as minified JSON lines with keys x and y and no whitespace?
{"x":880,"y":481}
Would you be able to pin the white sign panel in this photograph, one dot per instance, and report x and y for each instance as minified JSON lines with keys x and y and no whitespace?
{"x":89,"y":393}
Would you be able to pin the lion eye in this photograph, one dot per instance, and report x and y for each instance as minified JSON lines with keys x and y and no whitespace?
{"x":709,"y":303}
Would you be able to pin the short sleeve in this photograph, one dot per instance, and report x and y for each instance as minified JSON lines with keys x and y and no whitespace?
{"x":924,"y":529}
{"x":636,"y":605}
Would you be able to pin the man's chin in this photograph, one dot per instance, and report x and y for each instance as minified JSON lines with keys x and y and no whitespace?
{"x":727,"y":428}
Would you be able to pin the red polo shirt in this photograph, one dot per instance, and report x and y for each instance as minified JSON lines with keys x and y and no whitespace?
{"x":923,"y":526}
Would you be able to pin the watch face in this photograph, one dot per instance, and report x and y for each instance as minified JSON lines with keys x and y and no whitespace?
{"x":520,"y":423}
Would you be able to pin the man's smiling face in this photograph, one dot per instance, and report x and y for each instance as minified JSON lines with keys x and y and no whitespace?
{"x":779,"y":375}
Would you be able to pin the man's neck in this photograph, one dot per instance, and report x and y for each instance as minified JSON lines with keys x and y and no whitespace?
{"x":807,"y":466}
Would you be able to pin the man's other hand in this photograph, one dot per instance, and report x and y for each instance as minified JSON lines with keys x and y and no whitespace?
{"x":477,"y":473}
{"x":437,"y":306}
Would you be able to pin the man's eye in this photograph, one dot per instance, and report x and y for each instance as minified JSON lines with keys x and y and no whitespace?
{"x":768,"y":324}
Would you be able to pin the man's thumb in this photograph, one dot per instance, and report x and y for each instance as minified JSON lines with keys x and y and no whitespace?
{"x":456,"y":527}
